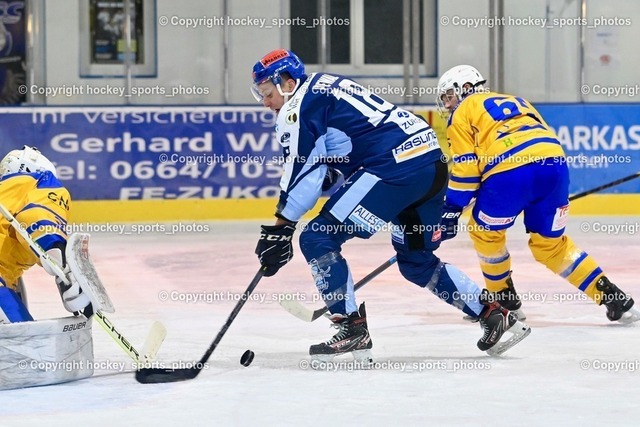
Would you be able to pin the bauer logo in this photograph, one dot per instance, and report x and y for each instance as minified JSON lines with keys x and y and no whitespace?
{"x":420,"y":144}
{"x":74,"y":327}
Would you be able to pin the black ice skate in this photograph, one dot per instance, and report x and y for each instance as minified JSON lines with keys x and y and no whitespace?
{"x":509,"y":299}
{"x":495,"y":320}
{"x":352,"y":337}
{"x":619,"y":305}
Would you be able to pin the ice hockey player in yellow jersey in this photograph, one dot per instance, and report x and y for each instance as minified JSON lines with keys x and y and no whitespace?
{"x":507,"y":158}
{"x":30,"y":190}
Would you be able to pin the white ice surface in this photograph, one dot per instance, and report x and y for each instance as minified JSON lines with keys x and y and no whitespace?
{"x":540,"y":382}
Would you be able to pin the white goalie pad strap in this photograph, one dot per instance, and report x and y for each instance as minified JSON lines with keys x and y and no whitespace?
{"x":84,"y":273}
{"x":45,"y":352}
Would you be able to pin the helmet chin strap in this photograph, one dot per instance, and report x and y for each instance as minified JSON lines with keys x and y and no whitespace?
{"x":287,"y":94}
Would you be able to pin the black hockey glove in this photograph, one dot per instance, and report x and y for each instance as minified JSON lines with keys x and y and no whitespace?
{"x":275,"y":247}
{"x":449,"y":221}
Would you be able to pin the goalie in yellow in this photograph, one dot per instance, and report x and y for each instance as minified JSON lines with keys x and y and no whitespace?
{"x":30,"y":190}
{"x":507,"y":158}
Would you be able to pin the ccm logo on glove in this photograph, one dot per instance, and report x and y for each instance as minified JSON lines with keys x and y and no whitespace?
{"x":273,"y":238}
{"x":275,"y":247}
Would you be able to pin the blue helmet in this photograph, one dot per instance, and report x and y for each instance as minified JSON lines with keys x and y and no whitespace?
{"x":272,"y":65}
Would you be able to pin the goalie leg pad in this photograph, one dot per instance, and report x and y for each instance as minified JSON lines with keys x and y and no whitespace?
{"x":45,"y":352}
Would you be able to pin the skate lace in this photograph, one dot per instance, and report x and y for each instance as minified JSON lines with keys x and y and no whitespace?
{"x":486,"y":329}
{"x":341,"y":334}
{"x":487,"y":332}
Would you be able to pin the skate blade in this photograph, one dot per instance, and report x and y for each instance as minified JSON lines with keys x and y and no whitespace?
{"x":630,"y":316}
{"x":519,"y":331}
{"x":363,"y":356}
{"x":324,"y":358}
{"x":518,"y":313}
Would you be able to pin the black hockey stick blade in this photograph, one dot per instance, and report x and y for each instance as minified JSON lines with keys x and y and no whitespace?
{"x":164,"y":375}
{"x":161,"y":375}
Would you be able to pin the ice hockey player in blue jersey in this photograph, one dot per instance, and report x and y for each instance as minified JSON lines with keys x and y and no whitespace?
{"x":329,"y":127}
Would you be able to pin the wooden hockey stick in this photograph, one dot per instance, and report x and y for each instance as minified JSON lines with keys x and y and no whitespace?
{"x":157,"y":333}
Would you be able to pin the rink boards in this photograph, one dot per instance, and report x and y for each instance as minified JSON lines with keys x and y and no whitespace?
{"x":169,"y":163}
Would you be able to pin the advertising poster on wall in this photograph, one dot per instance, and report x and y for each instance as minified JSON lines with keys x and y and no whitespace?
{"x":146,"y":153}
{"x":108,"y":32}
{"x":13,"y":56}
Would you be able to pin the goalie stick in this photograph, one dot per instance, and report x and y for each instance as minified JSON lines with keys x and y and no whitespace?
{"x":163,"y":375}
{"x":157,"y":333}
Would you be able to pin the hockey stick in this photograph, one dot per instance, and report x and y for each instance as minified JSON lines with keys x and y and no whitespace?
{"x":302,"y":313}
{"x":604,"y":186}
{"x":158,"y":331}
{"x":163,"y":375}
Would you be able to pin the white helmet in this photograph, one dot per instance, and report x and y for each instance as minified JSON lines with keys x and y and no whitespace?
{"x":27,"y":160}
{"x":455,"y":79}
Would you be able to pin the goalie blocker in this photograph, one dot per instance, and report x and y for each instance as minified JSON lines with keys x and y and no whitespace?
{"x":45,"y":352}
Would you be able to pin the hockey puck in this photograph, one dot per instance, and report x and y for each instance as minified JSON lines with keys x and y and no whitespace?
{"x":247,"y":358}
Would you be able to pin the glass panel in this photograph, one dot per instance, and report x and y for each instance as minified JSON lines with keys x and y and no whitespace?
{"x":382,"y":32}
{"x":306,"y":22}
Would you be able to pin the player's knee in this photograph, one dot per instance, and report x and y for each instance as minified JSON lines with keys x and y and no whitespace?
{"x":544,"y":248}
{"x":417,"y":266}
{"x":481,"y":235}
{"x":319,"y":237}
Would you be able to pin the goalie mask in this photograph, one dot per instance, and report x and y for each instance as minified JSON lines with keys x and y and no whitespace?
{"x":452,"y":85}
{"x":270,"y":68}
{"x":27,"y":160}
